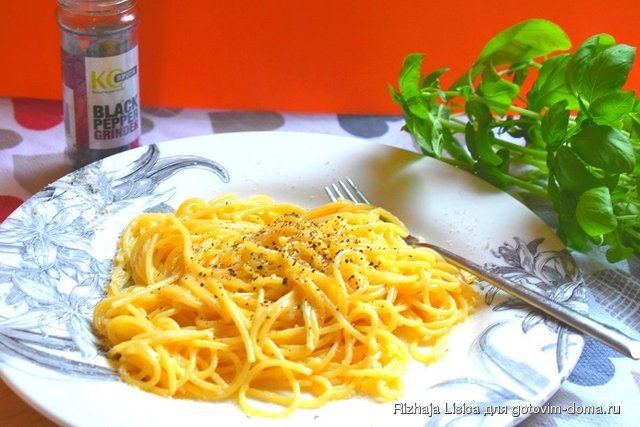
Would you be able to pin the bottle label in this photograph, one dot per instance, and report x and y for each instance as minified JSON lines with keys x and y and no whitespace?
{"x":113,"y":107}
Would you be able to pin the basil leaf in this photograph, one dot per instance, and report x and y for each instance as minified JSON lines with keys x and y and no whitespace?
{"x":618,"y":250}
{"x":604,"y":147}
{"x":432,"y":80}
{"x":395,"y":95}
{"x":551,"y":86}
{"x":470,"y":139}
{"x":612,"y":107}
{"x":437,"y":139}
{"x":569,"y":229}
{"x":553,"y":189}
{"x":522,"y":42}
{"x":505,"y":155}
{"x":454,"y":147}
{"x":479,"y":144}
{"x":553,"y":127}
{"x":594,"y":212}
{"x":521,"y":73}
{"x":583,"y":56}
{"x":600,"y":68}
{"x":479,"y":113}
{"x":636,"y":173}
{"x":419,"y":106}
{"x":571,"y":173}
{"x":632,"y":125}
{"x":618,"y":253}
{"x":497,"y":90}
{"x":409,"y":77}
{"x":422,"y":130}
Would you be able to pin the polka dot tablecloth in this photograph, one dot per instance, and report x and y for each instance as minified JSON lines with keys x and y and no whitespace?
{"x":31,"y":156}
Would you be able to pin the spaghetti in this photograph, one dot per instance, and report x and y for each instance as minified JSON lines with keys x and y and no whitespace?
{"x":261,"y":301}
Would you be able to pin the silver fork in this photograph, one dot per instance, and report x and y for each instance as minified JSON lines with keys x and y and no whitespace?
{"x":606,"y":334}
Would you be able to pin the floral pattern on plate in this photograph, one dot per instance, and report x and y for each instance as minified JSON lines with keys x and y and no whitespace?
{"x":54,"y":276}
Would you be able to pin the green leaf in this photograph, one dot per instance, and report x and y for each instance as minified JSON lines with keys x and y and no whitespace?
{"x":505,"y":155}
{"x":522,"y":42}
{"x":594,"y":212}
{"x":498,"y":91}
{"x":454,"y":148}
{"x":397,"y":98}
{"x":552,"y":86}
{"x":553,"y":189}
{"x":421,"y":129}
{"x":604,"y":147}
{"x":637,"y":181}
{"x":470,"y":139}
{"x":618,"y":253}
{"x":427,"y":129}
{"x":632,"y":125}
{"x":599,"y":67}
{"x":409,"y":78}
{"x":612,"y":107}
{"x":411,"y":83}
{"x":570,"y":172}
{"x":554,"y":124}
{"x":520,"y":74}
{"x":479,"y":113}
{"x":432,"y":80}
{"x":569,"y":229}
{"x":437,"y":139}
{"x":582,"y":58}
{"x":480,"y":147}
{"x":419,"y":106}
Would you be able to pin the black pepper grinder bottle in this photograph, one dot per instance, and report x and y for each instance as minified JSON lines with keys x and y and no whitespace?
{"x":100,"y":77}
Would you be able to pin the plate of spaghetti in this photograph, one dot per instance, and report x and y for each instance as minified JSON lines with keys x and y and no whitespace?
{"x":209,"y":280}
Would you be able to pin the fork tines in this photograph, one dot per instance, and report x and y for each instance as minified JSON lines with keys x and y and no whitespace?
{"x":345,"y":191}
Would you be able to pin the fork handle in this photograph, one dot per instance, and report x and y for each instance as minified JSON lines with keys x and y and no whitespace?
{"x":606,"y":334}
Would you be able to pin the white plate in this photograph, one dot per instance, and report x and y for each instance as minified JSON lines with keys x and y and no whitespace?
{"x":56,"y":250}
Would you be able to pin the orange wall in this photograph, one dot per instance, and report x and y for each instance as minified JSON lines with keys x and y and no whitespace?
{"x":322,"y":56}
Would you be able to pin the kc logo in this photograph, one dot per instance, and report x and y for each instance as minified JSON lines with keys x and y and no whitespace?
{"x":112,"y":79}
